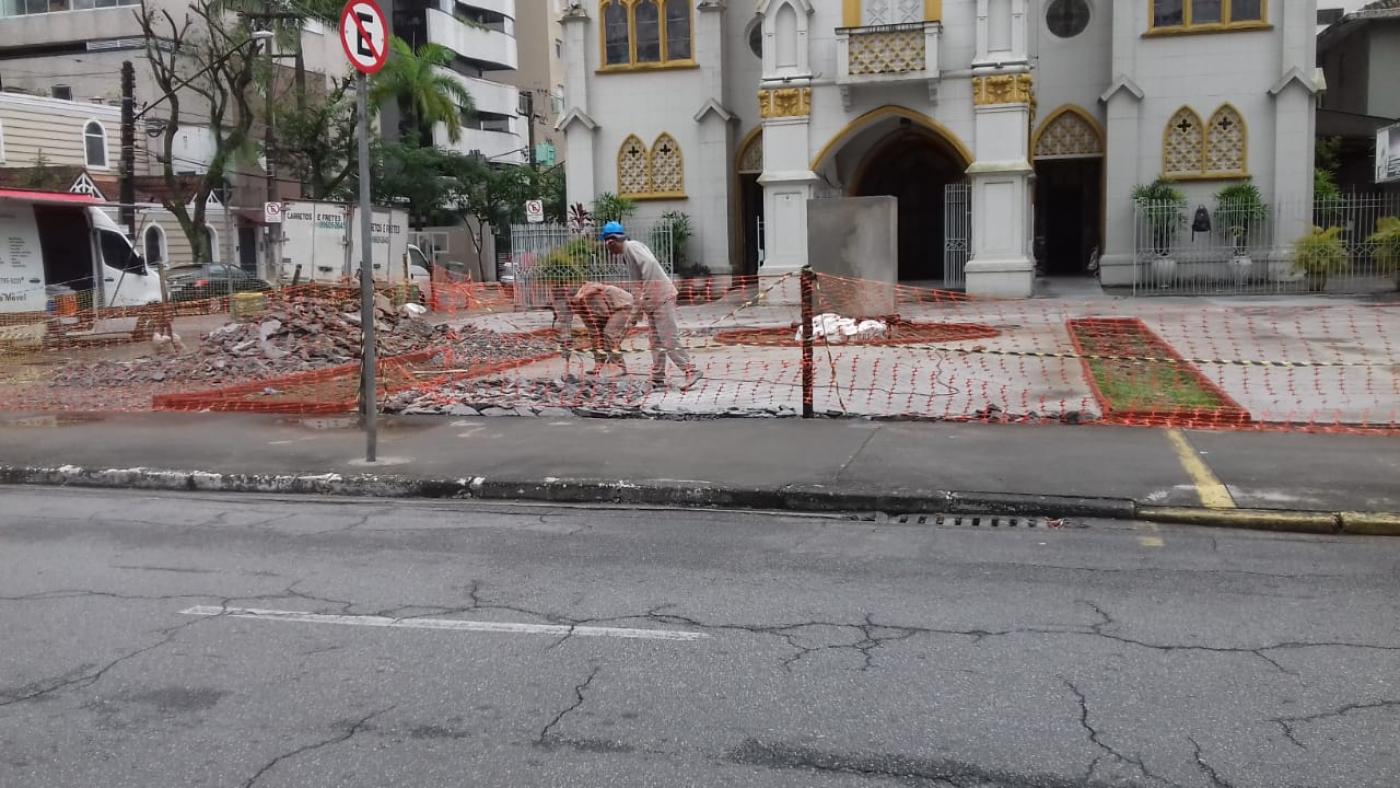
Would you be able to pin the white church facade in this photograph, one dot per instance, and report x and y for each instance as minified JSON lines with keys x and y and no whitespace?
{"x":1008,"y":130}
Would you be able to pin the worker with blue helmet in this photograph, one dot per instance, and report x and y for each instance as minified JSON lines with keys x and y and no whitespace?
{"x":654,"y":295}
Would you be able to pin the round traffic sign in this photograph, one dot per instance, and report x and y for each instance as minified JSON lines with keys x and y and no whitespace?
{"x":364,"y":35}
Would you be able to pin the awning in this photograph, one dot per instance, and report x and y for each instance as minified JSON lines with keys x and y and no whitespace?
{"x":48,"y":198}
{"x":250,"y":216}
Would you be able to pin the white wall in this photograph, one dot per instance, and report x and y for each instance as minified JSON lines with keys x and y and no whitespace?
{"x":1384,"y":99}
{"x":1073,"y":70}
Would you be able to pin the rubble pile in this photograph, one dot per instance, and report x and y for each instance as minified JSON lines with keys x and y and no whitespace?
{"x":570,"y":395}
{"x":562,"y":396}
{"x":294,"y":335}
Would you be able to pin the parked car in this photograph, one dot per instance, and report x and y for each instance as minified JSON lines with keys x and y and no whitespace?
{"x":214,"y":280}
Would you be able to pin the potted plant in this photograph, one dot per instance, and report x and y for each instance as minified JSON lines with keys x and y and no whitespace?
{"x":1240,"y":209}
{"x":1318,"y":254}
{"x":1163,"y":210}
{"x":1386,"y":240}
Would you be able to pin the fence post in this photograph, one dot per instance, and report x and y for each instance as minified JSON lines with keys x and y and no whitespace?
{"x":807,"y":369}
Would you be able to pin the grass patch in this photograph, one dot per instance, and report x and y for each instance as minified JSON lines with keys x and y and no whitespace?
{"x":1138,"y":376}
{"x":1149,"y":385}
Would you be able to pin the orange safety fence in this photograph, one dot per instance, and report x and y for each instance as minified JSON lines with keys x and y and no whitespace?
{"x":739,"y":349}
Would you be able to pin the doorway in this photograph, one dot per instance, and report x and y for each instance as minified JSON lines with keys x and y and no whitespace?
{"x":248,"y":249}
{"x":1069,"y":185}
{"x":748,"y":168}
{"x":1068,"y":199}
{"x":913,"y":166}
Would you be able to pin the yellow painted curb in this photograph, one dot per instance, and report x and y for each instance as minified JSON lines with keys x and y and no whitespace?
{"x":1253,"y":519}
{"x":1370,"y":523}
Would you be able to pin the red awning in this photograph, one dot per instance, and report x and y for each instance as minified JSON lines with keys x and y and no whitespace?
{"x":48,"y":198}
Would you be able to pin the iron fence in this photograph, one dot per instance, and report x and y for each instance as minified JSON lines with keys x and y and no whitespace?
{"x":544,"y":256}
{"x":957,"y":234}
{"x":1181,"y":250}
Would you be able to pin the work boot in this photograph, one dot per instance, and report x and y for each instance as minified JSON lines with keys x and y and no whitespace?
{"x":692,"y":376}
{"x":658,"y":379}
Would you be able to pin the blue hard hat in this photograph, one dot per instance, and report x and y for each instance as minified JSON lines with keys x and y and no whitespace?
{"x":613,"y":229}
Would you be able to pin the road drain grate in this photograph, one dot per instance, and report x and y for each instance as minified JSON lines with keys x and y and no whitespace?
{"x":976,"y":521}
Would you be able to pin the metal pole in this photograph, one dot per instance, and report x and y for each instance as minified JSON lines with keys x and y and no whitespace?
{"x":128,"y":165}
{"x":807,"y":368}
{"x":366,"y":279}
{"x":274,"y":231}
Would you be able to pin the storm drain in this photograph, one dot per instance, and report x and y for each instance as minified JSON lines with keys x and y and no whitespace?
{"x":969,"y":520}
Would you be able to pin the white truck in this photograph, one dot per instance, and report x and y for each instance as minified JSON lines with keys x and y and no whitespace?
{"x":55,"y":243}
{"x":319,"y":246}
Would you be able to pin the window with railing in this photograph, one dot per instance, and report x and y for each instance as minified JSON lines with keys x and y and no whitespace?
{"x":640,"y":34}
{"x":1173,"y":17}
{"x":12,"y":8}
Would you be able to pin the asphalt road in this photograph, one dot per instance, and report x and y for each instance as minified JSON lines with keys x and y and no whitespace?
{"x":165,"y":640}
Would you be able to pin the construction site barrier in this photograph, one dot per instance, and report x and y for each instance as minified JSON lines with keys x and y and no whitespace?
{"x":792,"y":345}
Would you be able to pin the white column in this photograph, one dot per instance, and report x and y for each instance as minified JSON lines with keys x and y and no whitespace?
{"x":1001,"y":33}
{"x":1122,"y":157}
{"x":1121,"y":162}
{"x":785,"y":103}
{"x":579,"y":171}
{"x":712,"y":179}
{"x":787,"y":186}
{"x":1001,"y":265}
{"x":1294,"y":123}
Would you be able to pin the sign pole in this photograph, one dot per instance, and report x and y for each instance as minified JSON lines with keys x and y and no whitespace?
{"x":367,"y":373}
{"x":364,"y":34}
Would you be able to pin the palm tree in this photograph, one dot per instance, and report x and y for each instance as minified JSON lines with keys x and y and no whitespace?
{"x":419,"y":82}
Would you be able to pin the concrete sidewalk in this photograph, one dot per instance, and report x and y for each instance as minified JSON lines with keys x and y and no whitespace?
{"x":851,"y":465}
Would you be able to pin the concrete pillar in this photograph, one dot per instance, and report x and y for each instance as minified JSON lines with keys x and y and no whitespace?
{"x":1294,"y":124}
{"x":1124,"y":110}
{"x":1001,"y":265}
{"x":1122,"y":157}
{"x":785,"y":104}
{"x":713,"y":178}
{"x":578,"y":127}
{"x":787,"y":177}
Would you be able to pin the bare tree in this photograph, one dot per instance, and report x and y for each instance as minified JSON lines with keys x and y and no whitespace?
{"x":209,"y":53}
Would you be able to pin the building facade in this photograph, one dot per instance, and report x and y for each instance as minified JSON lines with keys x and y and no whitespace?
{"x":54,"y":144}
{"x":1007,"y":128}
{"x":540,"y":78}
{"x":1360,"y":54}
{"x":481,"y":34}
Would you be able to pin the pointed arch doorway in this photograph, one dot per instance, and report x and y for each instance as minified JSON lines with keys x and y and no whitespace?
{"x":749,"y":166}
{"x":1069,"y":180}
{"x":913,"y":165}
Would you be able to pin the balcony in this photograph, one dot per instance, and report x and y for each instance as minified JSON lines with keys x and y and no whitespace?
{"x":500,"y":147}
{"x":492,"y":49}
{"x":887,"y":55}
{"x":493,"y":97}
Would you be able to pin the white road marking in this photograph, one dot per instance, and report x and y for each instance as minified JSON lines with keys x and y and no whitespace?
{"x":448,"y":624}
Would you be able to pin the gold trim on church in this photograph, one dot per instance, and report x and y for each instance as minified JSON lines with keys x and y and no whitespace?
{"x":785,"y":103}
{"x":1003,"y":89}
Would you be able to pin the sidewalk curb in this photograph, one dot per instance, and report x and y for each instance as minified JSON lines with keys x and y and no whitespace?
{"x":1249,"y":519}
{"x":796,"y":498}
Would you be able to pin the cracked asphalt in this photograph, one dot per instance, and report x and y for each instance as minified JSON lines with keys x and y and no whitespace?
{"x":836,"y":652}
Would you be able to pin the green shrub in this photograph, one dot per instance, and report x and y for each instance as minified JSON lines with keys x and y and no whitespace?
{"x":1239,"y":208}
{"x":1320,"y":252}
{"x":611,"y":208}
{"x":566,"y":266}
{"x":1166,"y":212}
{"x":1387,"y":241}
{"x":678,"y":240}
